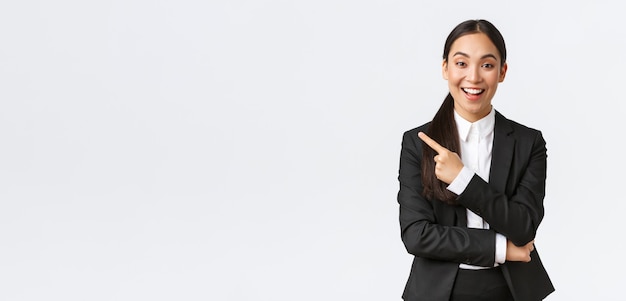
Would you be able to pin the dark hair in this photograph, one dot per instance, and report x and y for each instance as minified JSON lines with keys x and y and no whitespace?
{"x":443,"y":127}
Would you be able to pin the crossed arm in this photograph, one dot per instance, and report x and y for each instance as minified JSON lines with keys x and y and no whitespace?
{"x":448,"y":165}
{"x":426,"y":236}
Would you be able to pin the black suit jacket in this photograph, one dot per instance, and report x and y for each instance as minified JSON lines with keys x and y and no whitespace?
{"x":511,"y":202}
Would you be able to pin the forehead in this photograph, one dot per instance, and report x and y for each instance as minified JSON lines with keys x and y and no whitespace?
{"x":474,"y":45}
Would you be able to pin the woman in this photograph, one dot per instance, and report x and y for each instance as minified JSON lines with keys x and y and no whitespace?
{"x":472,"y":185}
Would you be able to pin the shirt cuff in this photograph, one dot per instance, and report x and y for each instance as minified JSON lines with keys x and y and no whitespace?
{"x":461,"y":181}
{"x":500,"y":249}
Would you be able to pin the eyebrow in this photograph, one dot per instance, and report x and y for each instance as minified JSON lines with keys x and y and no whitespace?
{"x":483,"y":57}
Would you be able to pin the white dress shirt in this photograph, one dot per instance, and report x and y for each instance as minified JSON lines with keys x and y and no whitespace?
{"x":476,"y":148}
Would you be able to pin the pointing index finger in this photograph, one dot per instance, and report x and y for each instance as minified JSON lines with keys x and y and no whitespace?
{"x":432,"y":143}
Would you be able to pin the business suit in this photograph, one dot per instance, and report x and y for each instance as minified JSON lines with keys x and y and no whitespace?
{"x":511,"y":202}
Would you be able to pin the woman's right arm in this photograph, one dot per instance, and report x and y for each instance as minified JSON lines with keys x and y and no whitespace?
{"x":428,"y":228}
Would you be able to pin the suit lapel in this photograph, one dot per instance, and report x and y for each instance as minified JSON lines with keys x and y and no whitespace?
{"x":502,"y":156}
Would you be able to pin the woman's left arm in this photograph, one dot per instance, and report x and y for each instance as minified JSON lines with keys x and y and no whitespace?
{"x":517,"y":212}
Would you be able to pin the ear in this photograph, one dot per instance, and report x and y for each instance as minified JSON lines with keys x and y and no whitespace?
{"x":444,"y":69}
{"x":503,"y":72}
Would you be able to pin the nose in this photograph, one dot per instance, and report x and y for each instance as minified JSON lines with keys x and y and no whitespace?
{"x":473,"y":74}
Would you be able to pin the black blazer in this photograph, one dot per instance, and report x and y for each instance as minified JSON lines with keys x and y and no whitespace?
{"x":511,"y":202}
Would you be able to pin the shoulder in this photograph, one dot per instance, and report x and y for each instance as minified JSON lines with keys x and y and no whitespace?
{"x":413,"y":132}
{"x":410,"y":141}
{"x":521,"y":132}
{"x":516,"y":127}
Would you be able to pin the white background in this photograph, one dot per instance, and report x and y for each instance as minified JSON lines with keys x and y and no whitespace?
{"x":248,"y":150}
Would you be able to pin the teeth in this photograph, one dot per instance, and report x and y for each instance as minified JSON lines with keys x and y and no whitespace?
{"x":473,"y":91}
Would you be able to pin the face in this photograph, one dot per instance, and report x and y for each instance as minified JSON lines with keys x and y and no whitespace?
{"x":473,"y":70}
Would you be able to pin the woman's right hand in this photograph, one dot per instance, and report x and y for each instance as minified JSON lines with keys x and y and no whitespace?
{"x":515,"y":253}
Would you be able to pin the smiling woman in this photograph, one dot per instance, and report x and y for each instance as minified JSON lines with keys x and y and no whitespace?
{"x":472,"y":184}
{"x":473,"y":72}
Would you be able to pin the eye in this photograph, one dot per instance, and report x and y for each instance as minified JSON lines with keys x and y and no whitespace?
{"x":460,"y":64}
{"x":487,"y":65}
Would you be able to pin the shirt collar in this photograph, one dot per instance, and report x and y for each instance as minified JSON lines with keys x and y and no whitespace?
{"x":483,"y":126}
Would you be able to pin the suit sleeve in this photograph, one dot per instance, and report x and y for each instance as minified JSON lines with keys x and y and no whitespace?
{"x":422,"y":233}
{"x":517,"y":212}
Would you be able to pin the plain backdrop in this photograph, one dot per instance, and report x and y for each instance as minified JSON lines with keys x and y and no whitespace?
{"x":249,"y":150}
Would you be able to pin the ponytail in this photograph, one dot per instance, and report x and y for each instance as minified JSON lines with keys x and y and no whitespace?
{"x":443,"y":130}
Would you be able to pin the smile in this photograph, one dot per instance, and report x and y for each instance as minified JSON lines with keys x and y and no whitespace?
{"x":473,"y":91}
